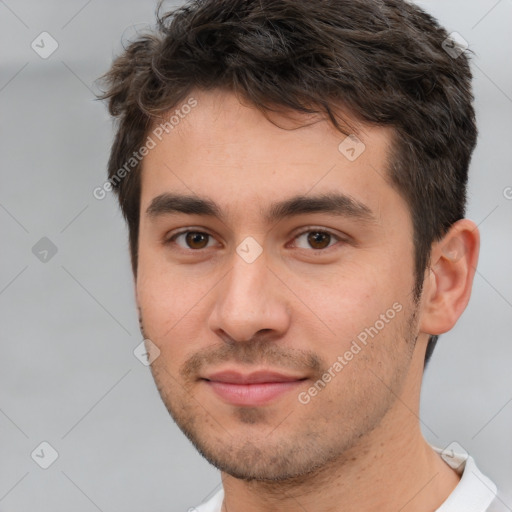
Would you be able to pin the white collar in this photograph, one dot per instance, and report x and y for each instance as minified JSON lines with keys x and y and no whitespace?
{"x":474,"y":493}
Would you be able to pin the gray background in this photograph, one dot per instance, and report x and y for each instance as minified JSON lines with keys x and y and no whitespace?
{"x":68,"y":375}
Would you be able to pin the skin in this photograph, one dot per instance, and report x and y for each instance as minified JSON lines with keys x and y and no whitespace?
{"x":295,"y":309}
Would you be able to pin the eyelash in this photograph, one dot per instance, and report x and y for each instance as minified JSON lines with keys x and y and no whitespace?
{"x":171,"y":239}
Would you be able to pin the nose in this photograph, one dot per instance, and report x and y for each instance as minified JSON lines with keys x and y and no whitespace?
{"x":250,"y":299}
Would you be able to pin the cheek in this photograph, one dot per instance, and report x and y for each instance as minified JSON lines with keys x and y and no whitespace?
{"x":171,"y":303}
{"x":160,"y":297}
{"x":348,"y":300}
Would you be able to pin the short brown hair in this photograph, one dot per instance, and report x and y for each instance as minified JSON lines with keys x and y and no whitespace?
{"x":382,"y":60}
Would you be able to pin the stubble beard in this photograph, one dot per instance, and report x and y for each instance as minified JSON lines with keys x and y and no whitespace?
{"x":282,"y":455}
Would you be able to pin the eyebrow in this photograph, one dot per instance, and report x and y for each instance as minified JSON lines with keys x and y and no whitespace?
{"x":332,"y":203}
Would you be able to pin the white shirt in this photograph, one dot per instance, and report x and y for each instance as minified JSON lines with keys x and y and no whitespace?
{"x":474,"y":492}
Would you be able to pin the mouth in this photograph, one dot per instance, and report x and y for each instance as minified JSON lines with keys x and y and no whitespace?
{"x":251,"y":389}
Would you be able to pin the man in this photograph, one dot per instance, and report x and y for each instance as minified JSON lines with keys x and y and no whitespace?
{"x":293,"y":175}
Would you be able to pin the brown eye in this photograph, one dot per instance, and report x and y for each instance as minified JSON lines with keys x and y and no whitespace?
{"x":196,"y":240}
{"x":317,"y":239}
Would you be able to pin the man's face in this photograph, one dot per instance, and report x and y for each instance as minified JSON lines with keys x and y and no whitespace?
{"x":274,"y":363}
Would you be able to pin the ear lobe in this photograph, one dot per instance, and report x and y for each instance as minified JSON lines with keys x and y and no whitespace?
{"x":447,"y":289}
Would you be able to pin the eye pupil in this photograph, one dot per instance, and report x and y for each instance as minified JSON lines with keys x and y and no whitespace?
{"x":194,"y":237}
{"x":315,"y":238}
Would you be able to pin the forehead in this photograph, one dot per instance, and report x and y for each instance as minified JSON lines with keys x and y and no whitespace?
{"x":225,"y":148}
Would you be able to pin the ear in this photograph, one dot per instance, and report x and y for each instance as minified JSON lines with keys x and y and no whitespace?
{"x":449,"y":278}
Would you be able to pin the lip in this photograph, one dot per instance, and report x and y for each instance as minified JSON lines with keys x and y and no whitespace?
{"x":252,"y":389}
{"x":257,"y":377}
